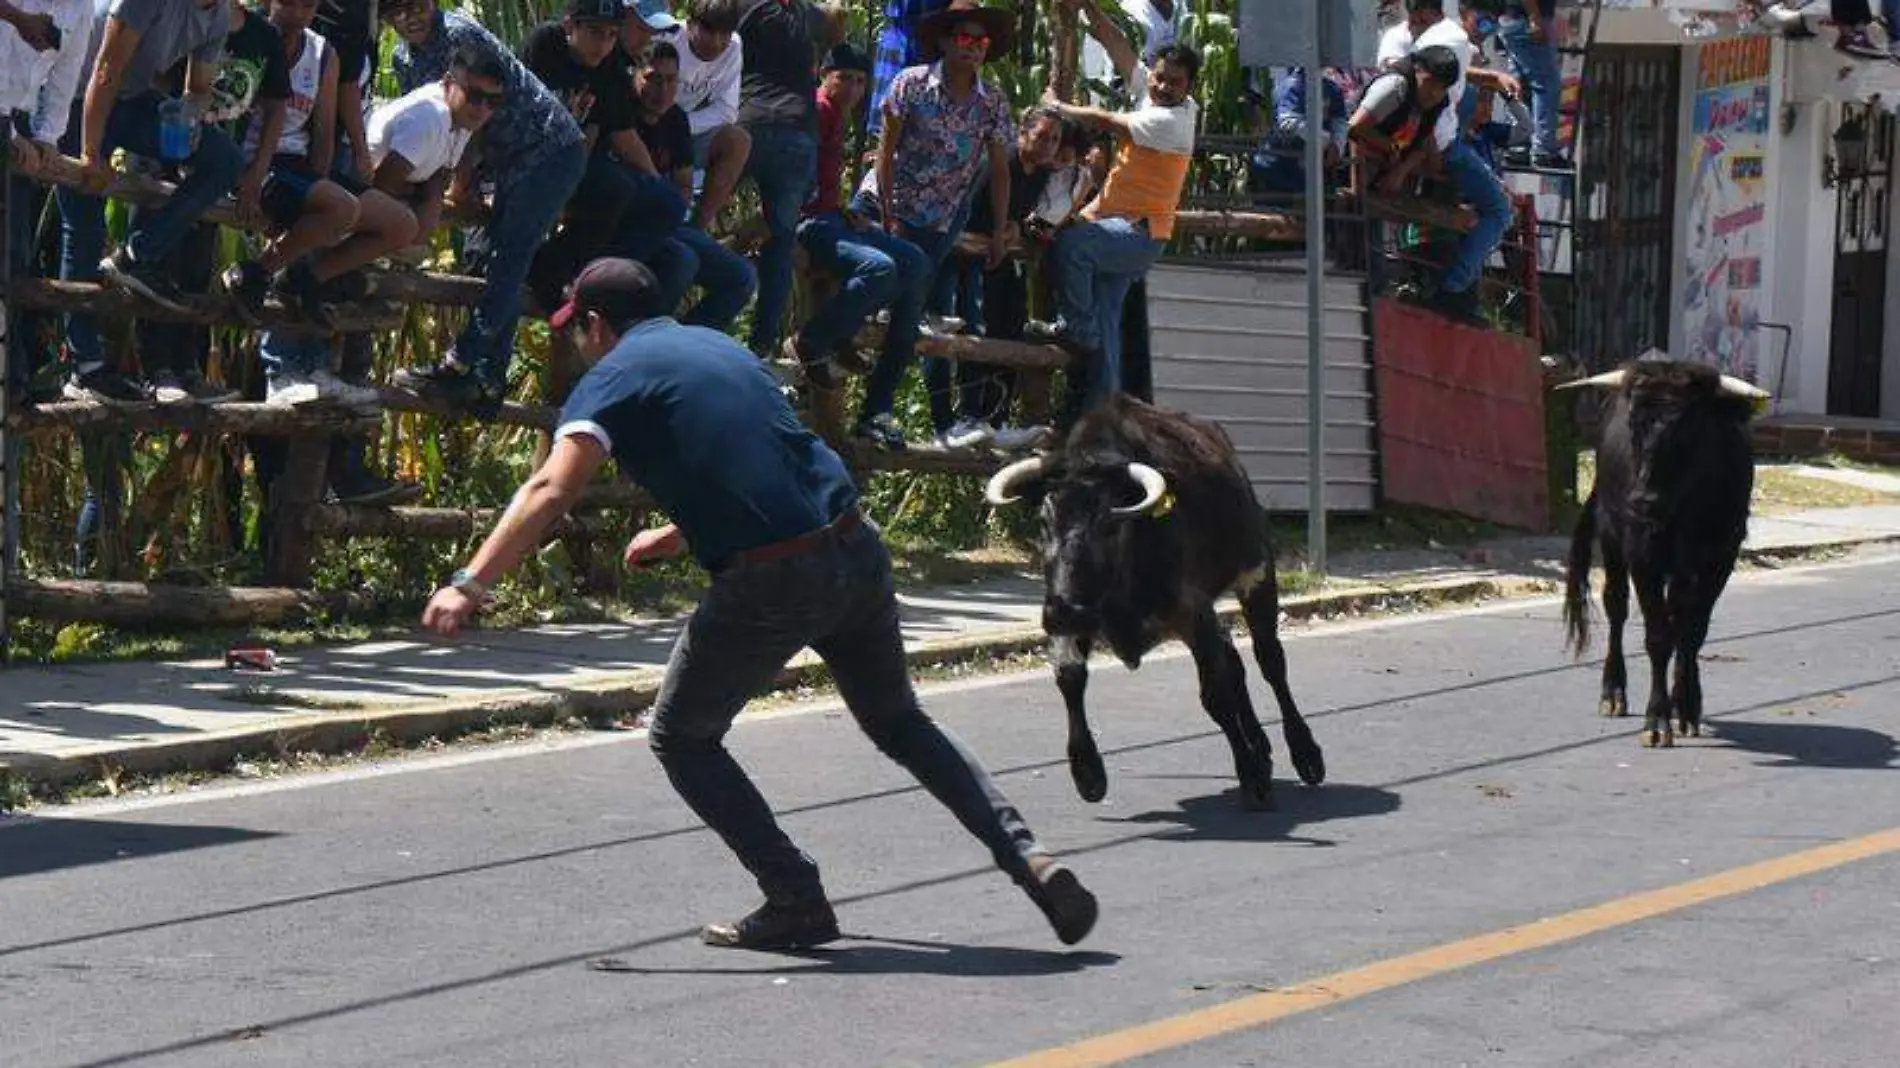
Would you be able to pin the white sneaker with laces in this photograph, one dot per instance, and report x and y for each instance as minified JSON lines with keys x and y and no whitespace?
{"x":348,"y":394}
{"x":1012,"y":438}
{"x":941,"y":325}
{"x":965,"y":434}
{"x":290,"y":389}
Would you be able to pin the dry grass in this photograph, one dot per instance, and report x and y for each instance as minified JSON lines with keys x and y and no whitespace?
{"x":1779,"y":490}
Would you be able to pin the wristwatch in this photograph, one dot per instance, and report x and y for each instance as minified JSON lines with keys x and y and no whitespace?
{"x":465,"y":580}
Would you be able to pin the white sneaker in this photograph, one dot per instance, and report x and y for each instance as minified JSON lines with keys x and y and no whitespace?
{"x":348,"y":394}
{"x":1012,"y":438}
{"x":941,"y":325}
{"x":964,"y":434}
{"x":289,"y":389}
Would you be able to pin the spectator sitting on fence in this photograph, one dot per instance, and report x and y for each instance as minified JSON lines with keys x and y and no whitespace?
{"x":995,"y":296}
{"x":247,"y":100}
{"x":777,"y":98}
{"x":1121,"y":234}
{"x":1072,"y":183}
{"x":711,"y":60}
{"x":866,"y":276}
{"x":1279,"y":166}
{"x":1528,"y":31}
{"x":616,"y":206}
{"x":140,"y":41}
{"x":1426,"y":25}
{"x":690,"y":256}
{"x":417,"y":141}
{"x":533,"y":151}
{"x":1390,"y":133}
{"x":38,"y":81}
{"x":942,"y":124}
{"x":329,"y":224}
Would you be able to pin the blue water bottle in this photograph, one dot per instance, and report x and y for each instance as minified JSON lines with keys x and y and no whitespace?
{"x":174,"y":131}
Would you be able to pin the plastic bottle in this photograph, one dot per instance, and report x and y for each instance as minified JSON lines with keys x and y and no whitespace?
{"x":177,"y":130}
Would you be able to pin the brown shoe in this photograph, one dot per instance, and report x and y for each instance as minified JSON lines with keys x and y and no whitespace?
{"x":777,"y":925}
{"x":1070,"y":907}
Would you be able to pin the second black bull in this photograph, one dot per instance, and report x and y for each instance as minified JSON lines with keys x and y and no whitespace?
{"x":1148,"y":519}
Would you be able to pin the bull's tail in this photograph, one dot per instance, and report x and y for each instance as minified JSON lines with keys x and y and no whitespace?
{"x":1577,"y":577}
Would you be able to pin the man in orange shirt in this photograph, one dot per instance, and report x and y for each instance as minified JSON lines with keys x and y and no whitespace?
{"x":1116,"y":240}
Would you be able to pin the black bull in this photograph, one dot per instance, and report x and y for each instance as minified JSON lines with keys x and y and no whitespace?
{"x":1670,"y":510}
{"x":1148,"y":519}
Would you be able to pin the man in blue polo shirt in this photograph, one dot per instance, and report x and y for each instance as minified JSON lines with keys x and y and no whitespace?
{"x":772,"y":513}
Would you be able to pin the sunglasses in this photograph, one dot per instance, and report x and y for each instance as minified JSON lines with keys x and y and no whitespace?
{"x":970,"y":40}
{"x":482,"y":96}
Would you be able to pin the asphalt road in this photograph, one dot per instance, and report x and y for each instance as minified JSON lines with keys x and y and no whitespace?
{"x":539,"y":906}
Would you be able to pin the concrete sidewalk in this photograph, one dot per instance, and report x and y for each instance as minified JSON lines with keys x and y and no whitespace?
{"x":67,"y":722}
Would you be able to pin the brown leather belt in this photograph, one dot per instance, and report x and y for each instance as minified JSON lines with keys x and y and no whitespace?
{"x":800,"y":545}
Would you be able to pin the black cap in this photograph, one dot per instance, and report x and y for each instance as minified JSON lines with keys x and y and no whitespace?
{"x":596,"y":10}
{"x":1439,"y":62}
{"x":844,"y":56}
{"x":621,"y":290}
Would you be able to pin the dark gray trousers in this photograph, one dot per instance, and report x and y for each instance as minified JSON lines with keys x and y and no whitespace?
{"x":838,"y":599}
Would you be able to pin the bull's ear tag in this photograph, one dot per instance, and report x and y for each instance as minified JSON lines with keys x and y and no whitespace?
{"x":1163,"y":506}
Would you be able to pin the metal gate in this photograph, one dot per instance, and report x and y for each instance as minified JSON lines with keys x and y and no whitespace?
{"x":1863,"y":165}
{"x":1229,"y":344}
{"x":1625,"y":207}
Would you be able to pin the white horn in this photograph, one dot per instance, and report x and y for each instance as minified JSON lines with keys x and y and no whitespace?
{"x":997,"y":492}
{"x":1606,"y":380}
{"x":1735,"y":387}
{"x":1154,"y":486}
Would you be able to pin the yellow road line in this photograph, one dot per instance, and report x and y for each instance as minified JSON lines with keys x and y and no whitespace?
{"x":1259,"y":1009}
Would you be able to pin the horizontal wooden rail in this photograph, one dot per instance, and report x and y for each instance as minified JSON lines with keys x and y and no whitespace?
{"x":236,"y":417}
{"x":139,"y":604}
{"x":211,"y":309}
{"x":357,"y":521}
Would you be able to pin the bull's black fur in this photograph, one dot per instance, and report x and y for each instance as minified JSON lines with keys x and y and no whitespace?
{"x":1675,"y":470}
{"x":1134,"y":581}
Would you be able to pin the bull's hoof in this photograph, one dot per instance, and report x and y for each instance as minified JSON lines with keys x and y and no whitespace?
{"x":1091,"y":778}
{"x":1658,"y":740}
{"x":1615,"y":706}
{"x":1311,"y":767}
{"x":1257,"y":797}
{"x":1688,"y":729}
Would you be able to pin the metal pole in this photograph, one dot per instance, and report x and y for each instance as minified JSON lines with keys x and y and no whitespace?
{"x":1315,"y":297}
{"x":9,"y":448}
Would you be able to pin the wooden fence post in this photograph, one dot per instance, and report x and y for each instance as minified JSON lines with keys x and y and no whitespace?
{"x":295,"y":491}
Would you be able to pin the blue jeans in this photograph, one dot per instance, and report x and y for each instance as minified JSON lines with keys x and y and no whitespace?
{"x":1095,"y":264}
{"x":653,"y":217}
{"x":692,"y":256}
{"x":838,"y":599}
{"x":213,"y":171}
{"x":1479,"y":187}
{"x":525,"y":210}
{"x":958,"y":291}
{"x":784,"y":163}
{"x":870,"y":266}
{"x":1536,"y":65}
{"x":912,"y":295}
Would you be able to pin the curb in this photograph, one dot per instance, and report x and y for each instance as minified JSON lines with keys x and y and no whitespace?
{"x":632,"y":693}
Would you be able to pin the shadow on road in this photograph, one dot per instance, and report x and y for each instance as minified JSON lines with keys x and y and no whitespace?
{"x":1811,"y":745}
{"x":1220,"y":816}
{"x":874,"y":955}
{"x":36,"y":846}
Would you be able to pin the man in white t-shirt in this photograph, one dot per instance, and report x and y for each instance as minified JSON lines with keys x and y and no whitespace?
{"x":1426,"y":26}
{"x":416,"y":143}
{"x":712,"y":58}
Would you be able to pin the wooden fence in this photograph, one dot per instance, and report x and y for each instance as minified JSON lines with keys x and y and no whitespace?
{"x":298,"y":519}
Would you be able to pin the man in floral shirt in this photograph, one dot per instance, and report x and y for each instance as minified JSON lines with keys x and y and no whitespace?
{"x":941,"y":122}
{"x":533,"y":151}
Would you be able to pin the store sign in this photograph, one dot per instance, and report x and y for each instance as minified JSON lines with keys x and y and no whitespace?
{"x":1727,"y":197}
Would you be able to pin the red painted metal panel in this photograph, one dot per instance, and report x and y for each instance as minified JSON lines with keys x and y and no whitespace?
{"x":1461,"y":417}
